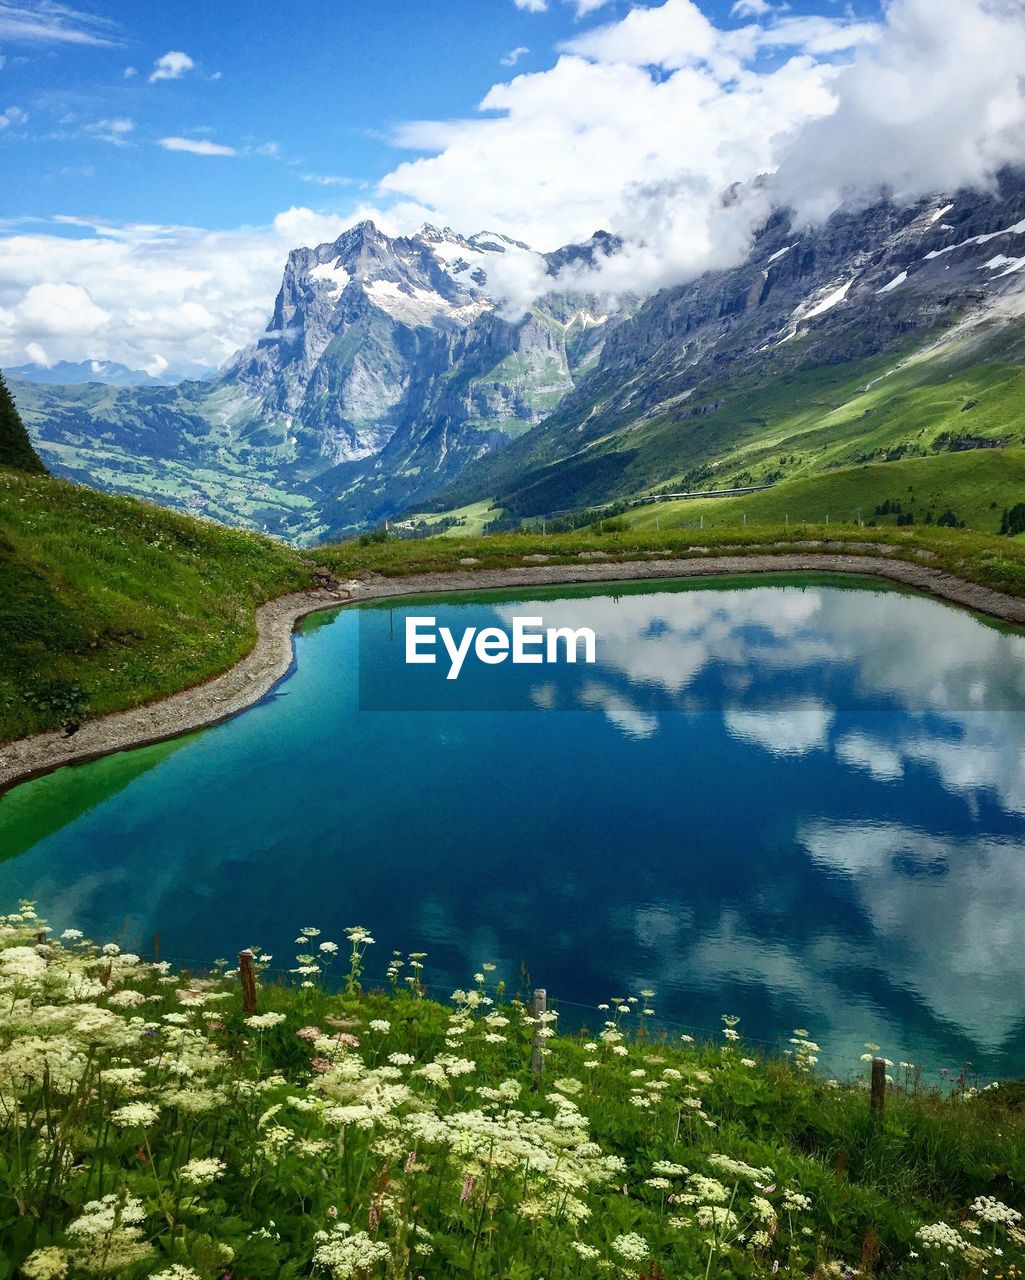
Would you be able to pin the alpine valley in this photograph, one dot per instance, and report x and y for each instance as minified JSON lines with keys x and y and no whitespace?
{"x":390,"y":385}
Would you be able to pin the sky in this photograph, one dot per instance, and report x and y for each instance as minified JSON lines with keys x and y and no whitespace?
{"x":162,"y":159}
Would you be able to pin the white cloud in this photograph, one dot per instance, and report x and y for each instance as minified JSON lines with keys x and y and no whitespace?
{"x":38,"y":355}
{"x":643,"y":123}
{"x":171,"y":66}
{"x":46,"y":22}
{"x":514,"y":55}
{"x":129,"y":72}
{"x":197,"y":146}
{"x":57,"y":310}
{"x":12,"y":115}
{"x":114,"y":131}
{"x":142,"y":293}
{"x":937,"y":103}
{"x":750,"y":8}
{"x":532,"y":6}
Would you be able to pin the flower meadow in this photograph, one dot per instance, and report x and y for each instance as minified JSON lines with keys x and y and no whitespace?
{"x":151,"y":1127}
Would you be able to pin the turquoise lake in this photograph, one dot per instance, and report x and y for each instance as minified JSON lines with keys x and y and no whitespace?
{"x":801,"y":802}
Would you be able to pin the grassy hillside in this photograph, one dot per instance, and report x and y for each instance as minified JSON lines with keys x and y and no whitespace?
{"x":155,"y":1128}
{"x":977,"y":486}
{"x":779,"y":423}
{"x":108,"y":602}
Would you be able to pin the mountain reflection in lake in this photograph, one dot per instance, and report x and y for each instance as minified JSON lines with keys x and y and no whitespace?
{"x":802,"y":804}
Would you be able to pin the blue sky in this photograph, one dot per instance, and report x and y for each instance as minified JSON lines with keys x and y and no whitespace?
{"x":321,"y":82}
{"x":161,"y":157}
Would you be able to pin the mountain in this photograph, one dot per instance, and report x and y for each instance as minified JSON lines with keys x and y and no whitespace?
{"x":386,"y":368}
{"x":889,"y":332}
{"x":67,"y":373}
{"x":15,"y":447}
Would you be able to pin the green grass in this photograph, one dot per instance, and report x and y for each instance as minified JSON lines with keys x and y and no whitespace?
{"x":153,"y":1127}
{"x":977,"y":485}
{"x":108,"y":602}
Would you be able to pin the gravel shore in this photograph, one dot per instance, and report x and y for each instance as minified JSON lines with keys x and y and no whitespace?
{"x":271,"y":657}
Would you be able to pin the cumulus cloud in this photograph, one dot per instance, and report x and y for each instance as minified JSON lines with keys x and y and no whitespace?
{"x":197,"y":146}
{"x":643,"y":124}
{"x":145,"y":295}
{"x":937,"y":103}
{"x":171,"y":66}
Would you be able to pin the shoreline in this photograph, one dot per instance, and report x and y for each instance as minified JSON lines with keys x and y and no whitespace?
{"x":241,"y":686}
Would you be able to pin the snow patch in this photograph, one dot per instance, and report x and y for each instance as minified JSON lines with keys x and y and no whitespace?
{"x":895,"y":283}
{"x":939,"y":213}
{"x":1017,"y":230}
{"x":780,"y":253}
{"x":416,"y":306}
{"x":827,"y":304}
{"x":331,"y":274}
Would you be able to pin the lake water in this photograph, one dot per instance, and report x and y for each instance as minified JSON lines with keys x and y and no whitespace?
{"x":797,"y":801}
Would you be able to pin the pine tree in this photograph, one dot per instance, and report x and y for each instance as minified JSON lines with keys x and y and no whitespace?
{"x":15,"y":447}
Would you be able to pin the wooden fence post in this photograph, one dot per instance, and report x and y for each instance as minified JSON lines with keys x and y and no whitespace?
{"x":247,"y":976}
{"x":877,"y":1100}
{"x":539,"y":1006}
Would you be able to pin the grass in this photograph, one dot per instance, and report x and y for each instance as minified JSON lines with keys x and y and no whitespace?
{"x":108,"y":602}
{"x":152,"y":1127}
{"x":977,"y":485}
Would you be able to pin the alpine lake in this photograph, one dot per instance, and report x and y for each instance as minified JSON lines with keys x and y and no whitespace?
{"x":798,"y":801}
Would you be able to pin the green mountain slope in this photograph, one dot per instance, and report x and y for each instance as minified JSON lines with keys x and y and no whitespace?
{"x":15,"y":447}
{"x":977,"y":486}
{"x":781,"y":422}
{"x":108,"y":602}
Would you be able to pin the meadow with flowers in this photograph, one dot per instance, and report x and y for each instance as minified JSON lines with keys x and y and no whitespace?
{"x":151,"y":1127}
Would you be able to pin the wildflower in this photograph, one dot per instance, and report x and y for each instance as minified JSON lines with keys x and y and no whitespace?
{"x":263,"y":1021}
{"x":586,"y":1251}
{"x":69,"y":935}
{"x":309,"y":1034}
{"x":401,"y":1059}
{"x":133,"y":1114}
{"x":990,"y":1210}
{"x":329,"y":948}
{"x":345,"y":1255}
{"x":942,"y":1238}
{"x":49,"y":1263}
{"x":380,"y":1024}
{"x":716,"y":1216}
{"x":177,"y":1272}
{"x":631,"y":1247}
{"x":467,"y":1188}
{"x":794,"y":1200}
{"x":198,"y":1173}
